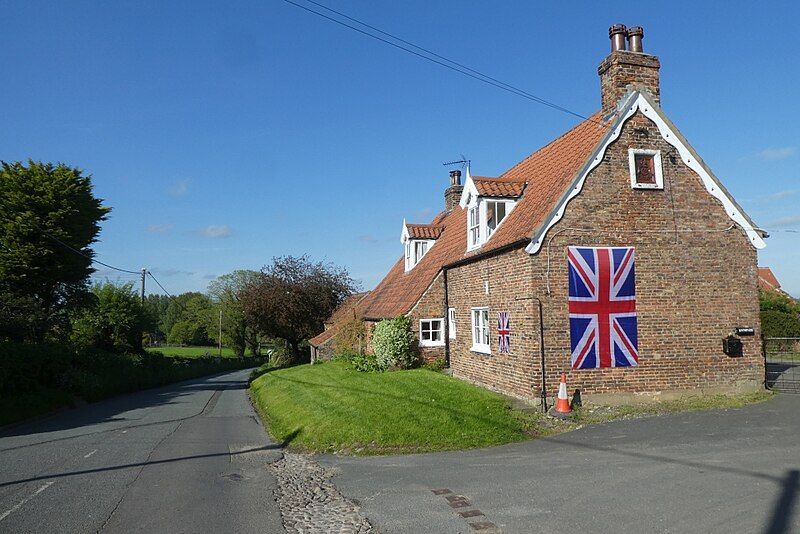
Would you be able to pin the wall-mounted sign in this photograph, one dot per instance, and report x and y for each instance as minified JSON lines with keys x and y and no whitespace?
{"x":745,"y":331}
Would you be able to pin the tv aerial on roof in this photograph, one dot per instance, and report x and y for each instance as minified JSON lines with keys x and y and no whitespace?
{"x":464,"y":162}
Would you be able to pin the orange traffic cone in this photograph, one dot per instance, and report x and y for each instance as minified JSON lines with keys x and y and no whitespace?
{"x":562,"y":408}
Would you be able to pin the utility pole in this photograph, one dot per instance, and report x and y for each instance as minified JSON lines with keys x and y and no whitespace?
{"x":220,"y":332}
{"x":141,"y":293}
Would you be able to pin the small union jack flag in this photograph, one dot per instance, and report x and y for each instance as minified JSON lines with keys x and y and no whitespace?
{"x":602,"y":307}
{"x":504,"y":332}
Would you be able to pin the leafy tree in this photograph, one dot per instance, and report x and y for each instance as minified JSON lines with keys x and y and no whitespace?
{"x":45,"y":210}
{"x":188,"y":333}
{"x":113,"y":321}
{"x":291,"y":298}
{"x":156,"y":307}
{"x":193,"y":308}
{"x":224,"y":292}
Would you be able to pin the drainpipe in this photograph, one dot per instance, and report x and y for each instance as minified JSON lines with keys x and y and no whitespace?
{"x":446,"y":322}
{"x":543,"y":392}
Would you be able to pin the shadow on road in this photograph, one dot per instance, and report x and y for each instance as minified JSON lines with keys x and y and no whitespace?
{"x":139,"y":464}
{"x":108,"y":411}
{"x":780,"y":520}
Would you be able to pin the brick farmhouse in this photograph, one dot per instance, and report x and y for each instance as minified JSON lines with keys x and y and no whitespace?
{"x":624,"y":177}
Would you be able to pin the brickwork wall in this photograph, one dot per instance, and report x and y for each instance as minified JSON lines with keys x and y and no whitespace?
{"x":622,"y":72}
{"x":430,"y":306}
{"x":693,"y":285}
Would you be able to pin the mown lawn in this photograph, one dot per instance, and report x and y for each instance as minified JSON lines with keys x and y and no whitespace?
{"x":192,"y":352}
{"x":332,"y":408}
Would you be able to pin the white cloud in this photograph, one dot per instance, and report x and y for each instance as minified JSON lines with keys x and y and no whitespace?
{"x":159,"y":228}
{"x":215,"y":231}
{"x":781,"y":194}
{"x":790,"y":220}
{"x":172,"y":272}
{"x":180,"y":188}
{"x":778,"y":153}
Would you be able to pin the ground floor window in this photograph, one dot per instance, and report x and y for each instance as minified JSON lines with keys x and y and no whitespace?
{"x":431,"y":332}
{"x":480,"y":330}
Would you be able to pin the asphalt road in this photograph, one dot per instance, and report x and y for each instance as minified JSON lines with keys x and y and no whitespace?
{"x":727,"y":471}
{"x":189,"y":457}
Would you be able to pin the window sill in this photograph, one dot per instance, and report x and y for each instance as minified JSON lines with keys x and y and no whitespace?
{"x":481,"y":349}
{"x":646,"y":186}
{"x":431,"y":343}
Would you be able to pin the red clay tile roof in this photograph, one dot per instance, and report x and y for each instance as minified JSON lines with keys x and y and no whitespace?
{"x":424,"y":231}
{"x":319,"y":339}
{"x":548,"y":173}
{"x":492,"y":187}
{"x":767,"y":280}
{"x":351,"y":307}
{"x":399,"y":290}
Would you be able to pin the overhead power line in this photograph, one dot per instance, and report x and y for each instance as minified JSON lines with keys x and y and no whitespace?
{"x":93,"y":260}
{"x":159,"y":284}
{"x":429,"y":55}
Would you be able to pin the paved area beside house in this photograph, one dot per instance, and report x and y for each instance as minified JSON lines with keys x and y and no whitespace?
{"x":720,"y":471}
{"x":191,"y":457}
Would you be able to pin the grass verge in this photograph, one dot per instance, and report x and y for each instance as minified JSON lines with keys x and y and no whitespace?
{"x":332,"y":408}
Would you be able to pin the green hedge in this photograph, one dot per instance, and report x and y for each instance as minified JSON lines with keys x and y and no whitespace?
{"x":28,"y":370}
{"x":775,"y":323}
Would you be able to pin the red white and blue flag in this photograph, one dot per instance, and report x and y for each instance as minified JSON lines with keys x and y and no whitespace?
{"x":504,"y":332}
{"x":602,"y":307}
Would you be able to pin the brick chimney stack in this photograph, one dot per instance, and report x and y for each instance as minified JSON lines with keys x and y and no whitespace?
{"x":452,"y":195}
{"x":627,"y":68}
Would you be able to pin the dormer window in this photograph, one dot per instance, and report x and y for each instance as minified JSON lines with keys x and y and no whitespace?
{"x":484,"y":217}
{"x":417,"y":240}
{"x":488,"y":202}
{"x":415,"y":250}
{"x":645,"y":168}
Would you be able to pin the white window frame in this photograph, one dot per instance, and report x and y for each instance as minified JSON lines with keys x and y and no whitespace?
{"x":431,"y":342}
{"x":480,"y":207}
{"x":482,"y":325}
{"x":632,"y":152}
{"x":474,"y":229}
{"x":506,"y":205}
{"x":451,"y":323}
{"x":411,"y":258}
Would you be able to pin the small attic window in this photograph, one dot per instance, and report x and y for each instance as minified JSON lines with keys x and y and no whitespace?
{"x":495,"y":213}
{"x":645,"y":168}
{"x":415,"y":250}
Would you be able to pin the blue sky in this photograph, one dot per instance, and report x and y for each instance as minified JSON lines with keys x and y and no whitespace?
{"x":225,"y":133}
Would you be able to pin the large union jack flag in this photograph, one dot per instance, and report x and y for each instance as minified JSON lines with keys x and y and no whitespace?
{"x":504,"y":332}
{"x":602,"y":307}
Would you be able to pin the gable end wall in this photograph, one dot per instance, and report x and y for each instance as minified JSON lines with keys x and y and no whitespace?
{"x":694,"y":285}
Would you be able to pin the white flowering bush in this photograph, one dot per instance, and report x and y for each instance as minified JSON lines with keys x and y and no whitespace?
{"x":394,"y":343}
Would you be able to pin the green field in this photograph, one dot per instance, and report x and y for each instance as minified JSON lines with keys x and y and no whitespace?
{"x":192,"y":352}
